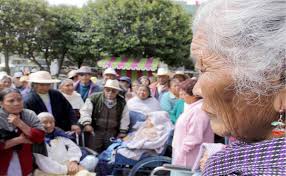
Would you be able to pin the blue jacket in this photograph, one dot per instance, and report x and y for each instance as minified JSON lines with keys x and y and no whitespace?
{"x":92,"y":89}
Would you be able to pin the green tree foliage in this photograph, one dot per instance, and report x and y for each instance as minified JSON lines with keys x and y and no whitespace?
{"x":142,"y":28}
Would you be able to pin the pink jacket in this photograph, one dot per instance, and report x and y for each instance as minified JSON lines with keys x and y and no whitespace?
{"x":191,"y":130}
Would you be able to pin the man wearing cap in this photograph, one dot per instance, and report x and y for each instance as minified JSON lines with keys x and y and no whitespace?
{"x":85,"y":87}
{"x":44,"y":99}
{"x":109,"y":73}
{"x":125,"y":85}
{"x":73,"y":75}
{"x":102,"y":115}
{"x":162,"y":84}
{"x":16,"y":80}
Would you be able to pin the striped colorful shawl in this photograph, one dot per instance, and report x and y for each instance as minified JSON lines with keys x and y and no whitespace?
{"x":240,"y":158}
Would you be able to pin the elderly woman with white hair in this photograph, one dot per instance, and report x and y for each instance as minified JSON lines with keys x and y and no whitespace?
{"x":74,"y":98}
{"x":240,"y":49}
{"x":5,"y":81}
{"x":63,"y":155}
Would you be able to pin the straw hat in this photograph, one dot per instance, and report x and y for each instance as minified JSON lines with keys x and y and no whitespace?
{"x":43,"y":77}
{"x":114,"y":84}
{"x":84,"y":69}
{"x":180,"y":72}
{"x":162,"y":72}
{"x":110,"y":71}
{"x":24,"y":78}
{"x":72,"y":74}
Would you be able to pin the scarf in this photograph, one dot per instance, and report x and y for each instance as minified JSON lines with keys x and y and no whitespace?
{"x":262,"y":158}
{"x":56,"y":133}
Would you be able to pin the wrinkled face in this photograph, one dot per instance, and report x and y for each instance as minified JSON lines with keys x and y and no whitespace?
{"x":145,"y":81}
{"x":6,"y":83}
{"x":48,"y":123}
{"x":135,"y":86}
{"x":163,"y":79}
{"x":229,"y":112}
{"x":109,"y":76}
{"x":84,"y":78}
{"x":124,"y":85}
{"x":110,"y":93}
{"x":42,"y":88}
{"x":67,"y":88}
{"x":180,"y":78}
{"x":13,"y":103}
{"x":175,"y":89}
{"x":17,"y":82}
{"x":142,"y":93}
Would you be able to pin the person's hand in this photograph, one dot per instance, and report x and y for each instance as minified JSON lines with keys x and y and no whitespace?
{"x":73,"y":168}
{"x":76,"y":129}
{"x":14,"y":119}
{"x":88,"y":128}
{"x":203,"y":161}
{"x":121,"y":135}
{"x":23,"y":139}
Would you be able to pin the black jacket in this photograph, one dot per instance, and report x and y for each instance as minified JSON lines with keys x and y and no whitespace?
{"x":61,"y":108}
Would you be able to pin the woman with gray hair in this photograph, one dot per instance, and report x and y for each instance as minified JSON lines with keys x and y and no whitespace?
{"x":74,"y":98}
{"x":240,"y":49}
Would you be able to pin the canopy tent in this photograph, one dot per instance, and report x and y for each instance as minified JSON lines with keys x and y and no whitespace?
{"x":131,"y":67}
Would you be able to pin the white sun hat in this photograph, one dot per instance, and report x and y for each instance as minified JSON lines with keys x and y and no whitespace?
{"x":163,"y":72}
{"x":43,"y":77}
{"x":114,"y":84}
{"x":72,"y":74}
{"x":110,"y":71}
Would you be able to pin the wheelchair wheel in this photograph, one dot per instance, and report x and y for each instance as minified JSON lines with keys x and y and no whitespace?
{"x":148,"y":164}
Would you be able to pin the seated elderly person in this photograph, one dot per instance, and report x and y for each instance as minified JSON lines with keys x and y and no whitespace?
{"x":239,"y":47}
{"x":142,"y":103}
{"x":63,"y":155}
{"x":150,"y":138}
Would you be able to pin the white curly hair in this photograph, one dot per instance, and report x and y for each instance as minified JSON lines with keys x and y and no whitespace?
{"x":251,"y":34}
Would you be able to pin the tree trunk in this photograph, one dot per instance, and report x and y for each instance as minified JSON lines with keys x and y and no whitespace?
{"x":61,"y":62}
{"x":33,"y":59}
{"x":6,"y":56}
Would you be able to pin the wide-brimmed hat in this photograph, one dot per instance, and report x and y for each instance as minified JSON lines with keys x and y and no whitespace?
{"x":72,"y":74}
{"x":180,"y":72}
{"x":43,"y":77}
{"x":114,"y":84}
{"x":84,"y":69}
{"x":162,"y":72}
{"x":110,"y":71}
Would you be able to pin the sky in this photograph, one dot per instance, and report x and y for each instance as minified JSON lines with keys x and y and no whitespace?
{"x":80,"y":3}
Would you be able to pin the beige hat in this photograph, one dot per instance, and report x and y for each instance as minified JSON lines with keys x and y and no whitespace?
{"x":110,"y":71}
{"x":180,"y":72}
{"x":24,"y":78}
{"x":162,"y":72}
{"x":43,"y":77}
{"x":114,"y":84}
{"x":84,"y":69}
{"x":72,"y":74}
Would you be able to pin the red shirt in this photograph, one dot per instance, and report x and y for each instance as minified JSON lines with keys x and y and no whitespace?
{"x":24,"y":154}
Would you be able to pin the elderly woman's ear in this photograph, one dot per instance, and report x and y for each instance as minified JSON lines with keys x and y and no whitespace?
{"x":280,"y":100}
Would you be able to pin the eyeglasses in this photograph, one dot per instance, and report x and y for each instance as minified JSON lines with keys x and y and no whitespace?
{"x":110,"y":90}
